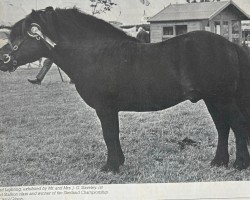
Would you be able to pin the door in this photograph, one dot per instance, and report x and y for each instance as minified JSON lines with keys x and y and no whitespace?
{"x":236,"y":31}
{"x":225,"y":29}
{"x":217,"y":27}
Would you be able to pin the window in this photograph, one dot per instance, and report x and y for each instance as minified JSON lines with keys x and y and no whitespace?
{"x":168,"y":30}
{"x":181,"y":29}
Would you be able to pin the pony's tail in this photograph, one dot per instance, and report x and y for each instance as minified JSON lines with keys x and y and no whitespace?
{"x":244,"y":85}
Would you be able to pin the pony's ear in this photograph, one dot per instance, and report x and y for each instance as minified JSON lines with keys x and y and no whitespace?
{"x":33,"y":12}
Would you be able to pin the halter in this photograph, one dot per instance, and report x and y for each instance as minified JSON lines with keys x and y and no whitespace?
{"x":34,"y":32}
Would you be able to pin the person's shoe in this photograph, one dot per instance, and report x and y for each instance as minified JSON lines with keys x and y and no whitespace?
{"x":35,"y":81}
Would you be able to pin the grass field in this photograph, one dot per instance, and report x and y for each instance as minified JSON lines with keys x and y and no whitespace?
{"x":48,"y":135}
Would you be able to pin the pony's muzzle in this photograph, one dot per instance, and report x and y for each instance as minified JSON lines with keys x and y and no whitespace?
{"x":6,"y":58}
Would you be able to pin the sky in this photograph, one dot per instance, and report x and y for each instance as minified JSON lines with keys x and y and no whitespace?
{"x":126,"y":11}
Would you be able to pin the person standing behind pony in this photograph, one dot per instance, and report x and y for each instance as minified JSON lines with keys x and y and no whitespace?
{"x":40,"y":76}
{"x":143,"y":35}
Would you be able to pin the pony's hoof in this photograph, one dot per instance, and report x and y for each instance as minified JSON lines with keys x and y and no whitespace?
{"x":241,"y":164}
{"x":220,"y":162}
{"x":109,"y":168}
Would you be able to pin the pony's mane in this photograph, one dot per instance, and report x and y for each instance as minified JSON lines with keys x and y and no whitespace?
{"x":73,"y":22}
{"x":76,"y":21}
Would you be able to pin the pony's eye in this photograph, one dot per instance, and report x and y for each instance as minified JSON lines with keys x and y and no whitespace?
{"x":15,"y":47}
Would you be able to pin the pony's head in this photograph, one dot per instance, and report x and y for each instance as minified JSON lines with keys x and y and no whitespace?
{"x":29,"y":40}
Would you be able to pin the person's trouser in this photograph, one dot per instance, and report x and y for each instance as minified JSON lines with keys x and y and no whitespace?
{"x":46,"y":66}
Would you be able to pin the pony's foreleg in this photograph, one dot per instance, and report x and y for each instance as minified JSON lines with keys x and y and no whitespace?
{"x":110,"y":127}
{"x":220,"y":120}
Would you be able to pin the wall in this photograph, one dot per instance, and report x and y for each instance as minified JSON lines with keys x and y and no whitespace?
{"x":156,"y":28}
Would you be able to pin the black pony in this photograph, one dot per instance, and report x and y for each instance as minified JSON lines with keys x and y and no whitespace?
{"x":114,"y":72}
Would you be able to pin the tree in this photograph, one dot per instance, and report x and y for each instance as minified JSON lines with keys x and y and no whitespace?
{"x":101,"y":6}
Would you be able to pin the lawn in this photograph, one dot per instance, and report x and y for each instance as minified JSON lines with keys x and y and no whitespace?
{"x":48,"y":135}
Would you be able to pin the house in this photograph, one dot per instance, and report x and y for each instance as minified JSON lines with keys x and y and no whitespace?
{"x":222,"y":17}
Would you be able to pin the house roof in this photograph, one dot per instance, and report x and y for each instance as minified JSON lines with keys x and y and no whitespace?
{"x":193,"y":11}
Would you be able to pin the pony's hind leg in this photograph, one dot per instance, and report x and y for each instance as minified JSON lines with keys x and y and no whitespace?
{"x":241,"y":127}
{"x":219,"y":117}
{"x":110,"y":127}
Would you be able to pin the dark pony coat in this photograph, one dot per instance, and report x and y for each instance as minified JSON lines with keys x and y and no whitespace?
{"x":114,"y":72}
